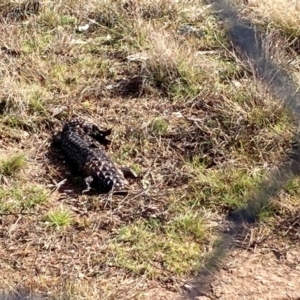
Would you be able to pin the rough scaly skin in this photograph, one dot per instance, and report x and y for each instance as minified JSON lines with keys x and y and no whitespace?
{"x":77,"y":141}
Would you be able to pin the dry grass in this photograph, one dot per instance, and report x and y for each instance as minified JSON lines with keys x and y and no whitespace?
{"x":283,"y":14}
{"x":185,"y":114}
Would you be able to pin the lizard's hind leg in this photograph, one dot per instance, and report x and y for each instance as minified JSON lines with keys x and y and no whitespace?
{"x":128,"y":173}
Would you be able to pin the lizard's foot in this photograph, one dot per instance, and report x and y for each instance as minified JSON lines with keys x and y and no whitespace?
{"x":129,"y":173}
{"x":87,"y":181}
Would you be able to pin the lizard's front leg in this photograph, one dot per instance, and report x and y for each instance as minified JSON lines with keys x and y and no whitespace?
{"x":87,"y":180}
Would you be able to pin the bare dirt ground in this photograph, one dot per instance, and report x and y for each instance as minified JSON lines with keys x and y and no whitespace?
{"x":260,"y":274}
{"x":268,"y":271}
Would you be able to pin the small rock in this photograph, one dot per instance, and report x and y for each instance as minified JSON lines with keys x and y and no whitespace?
{"x":83,"y":28}
{"x":188,"y":30}
{"x":110,"y":86}
{"x":177,"y":114}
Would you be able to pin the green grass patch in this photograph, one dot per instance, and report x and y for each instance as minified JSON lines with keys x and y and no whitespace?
{"x":16,"y":199}
{"x":12,"y":165}
{"x":221,"y":188}
{"x":59,"y":218}
{"x":148,"y":247}
{"x":159,"y":125}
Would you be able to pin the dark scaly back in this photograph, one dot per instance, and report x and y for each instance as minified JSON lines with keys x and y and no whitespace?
{"x":79,"y":147}
{"x":75,"y":148}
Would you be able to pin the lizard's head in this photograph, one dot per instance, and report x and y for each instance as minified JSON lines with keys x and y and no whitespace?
{"x":101,"y":135}
{"x":57,"y":138}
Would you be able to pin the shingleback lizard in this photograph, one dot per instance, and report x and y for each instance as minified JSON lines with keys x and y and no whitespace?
{"x":77,"y":140}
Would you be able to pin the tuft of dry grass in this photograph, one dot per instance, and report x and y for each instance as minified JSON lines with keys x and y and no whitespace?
{"x":283,"y":14}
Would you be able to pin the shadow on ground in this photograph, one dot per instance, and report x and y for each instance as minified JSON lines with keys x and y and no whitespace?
{"x":248,"y":43}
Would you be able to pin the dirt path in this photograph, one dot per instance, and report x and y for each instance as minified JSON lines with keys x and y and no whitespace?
{"x":270,"y":271}
{"x":260,"y":274}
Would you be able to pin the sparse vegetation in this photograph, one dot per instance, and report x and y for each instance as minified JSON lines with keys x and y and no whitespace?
{"x":186,"y":114}
{"x":12,"y":165}
{"x":159,"y":126}
{"x":180,"y":239}
{"x":16,"y":199}
{"x":59,"y":218}
{"x":282,"y":14}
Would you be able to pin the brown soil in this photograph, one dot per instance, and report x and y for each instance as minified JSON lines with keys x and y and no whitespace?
{"x":261,"y":274}
{"x":268,"y":271}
